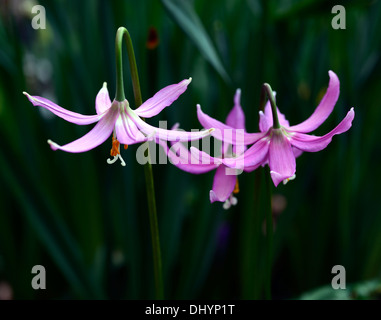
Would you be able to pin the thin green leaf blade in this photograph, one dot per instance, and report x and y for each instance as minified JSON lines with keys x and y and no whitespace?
{"x":187,"y":19}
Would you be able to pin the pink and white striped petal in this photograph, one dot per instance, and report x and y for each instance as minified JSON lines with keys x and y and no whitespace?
{"x":126,"y":130}
{"x":102,"y":100}
{"x":67,"y":115}
{"x":227,"y":133}
{"x":162,"y":99}
{"x":164,"y":134}
{"x":95,"y":137}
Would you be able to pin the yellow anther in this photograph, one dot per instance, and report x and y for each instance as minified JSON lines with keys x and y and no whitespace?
{"x":236,"y":187}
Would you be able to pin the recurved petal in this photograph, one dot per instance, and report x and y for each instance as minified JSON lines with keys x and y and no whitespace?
{"x":95,"y":137}
{"x":324,"y":108}
{"x":223,"y":185}
{"x":236,"y":117}
{"x":164,"y":134}
{"x":102,"y":101}
{"x":311,"y":143}
{"x":264,"y":125}
{"x":67,"y":115}
{"x":227,"y":133}
{"x":162,"y":99}
{"x":127,"y":132}
{"x":253,"y":157}
{"x":180,"y":156}
{"x":281,"y":158}
{"x":297,"y":152}
{"x":203,"y":157}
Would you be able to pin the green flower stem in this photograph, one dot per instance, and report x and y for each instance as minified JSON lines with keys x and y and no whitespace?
{"x":119,"y":96}
{"x":123,"y":33}
{"x":269,"y":234}
{"x":266,"y":89}
{"x":154,"y":229}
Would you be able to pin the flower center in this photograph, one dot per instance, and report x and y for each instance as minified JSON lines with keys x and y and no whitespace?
{"x":115,"y":151}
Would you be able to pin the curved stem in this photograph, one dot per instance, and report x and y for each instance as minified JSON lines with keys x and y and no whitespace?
{"x":266,"y":89}
{"x":119,"y":96}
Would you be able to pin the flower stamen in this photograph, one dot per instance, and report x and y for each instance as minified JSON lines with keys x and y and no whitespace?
{"x":288,"y":179}
{"x":236,"y":187}
{"x":115,"y":151}
{"x":231,"y":201}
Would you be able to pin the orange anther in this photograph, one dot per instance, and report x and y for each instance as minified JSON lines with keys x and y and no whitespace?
{"x":236,"y":187}
{"x":115,"y":147}
{"x":125,"y":146}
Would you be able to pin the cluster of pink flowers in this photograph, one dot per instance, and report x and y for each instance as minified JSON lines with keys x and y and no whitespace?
{"x":277,"y":146}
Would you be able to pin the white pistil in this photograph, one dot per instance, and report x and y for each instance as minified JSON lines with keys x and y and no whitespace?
{"x":111,"y":161}
{"x":231,"y":201}
{"x":288,"y":179}
{"x":226,"y":204}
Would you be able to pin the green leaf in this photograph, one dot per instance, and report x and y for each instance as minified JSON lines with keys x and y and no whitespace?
{"x":187,"y":19}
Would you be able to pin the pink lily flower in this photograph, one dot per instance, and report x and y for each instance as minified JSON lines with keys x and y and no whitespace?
{"x":118,"y":118}
{"x":225,"y":182}
{"x":281,"y":143}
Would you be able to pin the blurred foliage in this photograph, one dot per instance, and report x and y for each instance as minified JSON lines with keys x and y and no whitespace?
{"x":87,"y":222}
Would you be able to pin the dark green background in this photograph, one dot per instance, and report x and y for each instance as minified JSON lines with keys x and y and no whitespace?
{"x":87,"y":222}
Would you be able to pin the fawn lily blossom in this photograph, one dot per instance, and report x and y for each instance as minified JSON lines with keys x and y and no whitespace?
{"x":225,"y":183}
{"x":282,"y":143}
{"x":118,"y":118}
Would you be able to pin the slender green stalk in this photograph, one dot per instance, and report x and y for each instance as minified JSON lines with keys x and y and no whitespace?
{"x":123,"y":33}
{"x":266,"y":89}
{"x":154,"y":229}
{"x":269,"y":234}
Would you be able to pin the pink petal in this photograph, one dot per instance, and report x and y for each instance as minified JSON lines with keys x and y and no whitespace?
{"x":95,"y":137}
{"x":61,"y":112}
{"x":223,"y":185}
{"x":164,"y":134}
{"x":126,"y":130}
{"x":324,"y":108}
{"x":183,"y":159}
{"x":204,"y":158}
{"x":264,"y":125}
{"x":162,"y":99}
{"x":281,"y":157}
{"x":311,"y":143}
{"x":266,"y":118}
{"x":236,"y":117}
{"x":102,"y":101}
{"x":297,"y":152}
{"x":226,"y":133}
{"x":253,"y":157}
